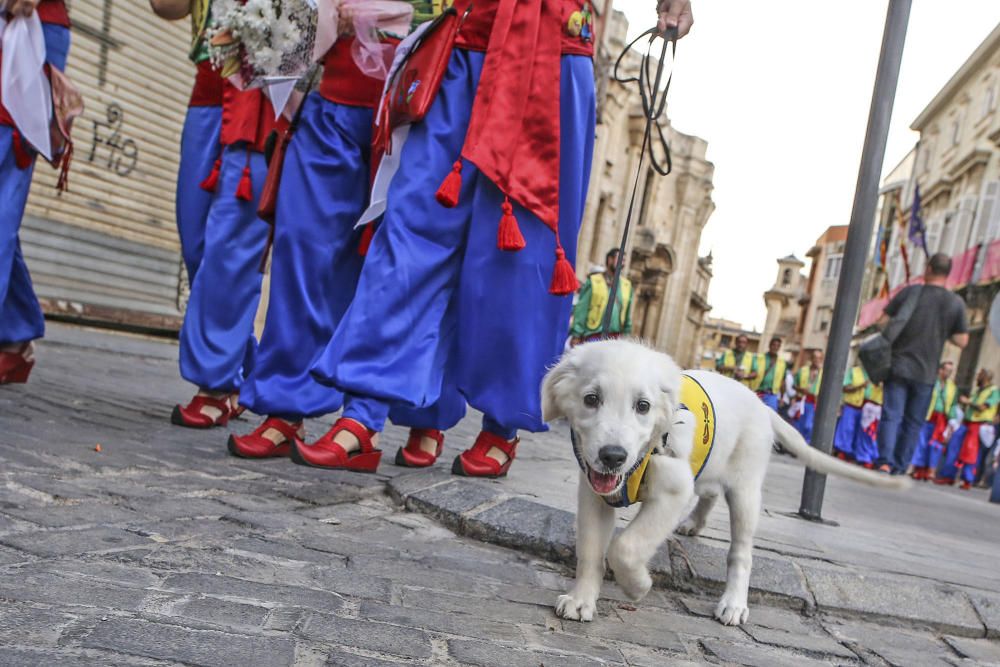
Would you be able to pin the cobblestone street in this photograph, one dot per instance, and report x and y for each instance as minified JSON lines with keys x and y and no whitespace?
{"x":159,"y":548}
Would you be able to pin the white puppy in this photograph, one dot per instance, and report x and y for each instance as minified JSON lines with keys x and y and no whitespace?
{"x":645,"y":432}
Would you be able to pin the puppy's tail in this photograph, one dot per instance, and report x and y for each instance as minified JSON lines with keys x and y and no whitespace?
{"x":810,"y":457}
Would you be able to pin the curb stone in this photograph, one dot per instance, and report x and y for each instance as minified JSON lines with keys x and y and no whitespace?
{"x":484,"y":512}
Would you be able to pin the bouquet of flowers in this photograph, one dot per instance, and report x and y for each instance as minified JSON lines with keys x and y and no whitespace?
{"x":256,"y":42}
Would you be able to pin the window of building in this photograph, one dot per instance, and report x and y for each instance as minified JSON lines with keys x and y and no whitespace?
{"x":831,"y":270}
{"x":989,"y":100}
{"x":786,"y":277}
{"x":956,"y":130}
{"x":925,"y":157}
{"x":822,"y":320}
{"x":726,"y":341}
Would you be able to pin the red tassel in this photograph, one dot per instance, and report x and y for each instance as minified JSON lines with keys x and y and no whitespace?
{"x":366,"y":239}
{"x":62,"y":185}
{"x":22,"y":156}
{"x":245,"y":189}
{"x":563,"y":276}
{"x":447,"y":194}
{"x":211,"y":181}
{"x":509,"y":235}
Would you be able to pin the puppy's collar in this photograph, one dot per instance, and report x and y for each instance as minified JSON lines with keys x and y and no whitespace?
{"x":703,"y":410}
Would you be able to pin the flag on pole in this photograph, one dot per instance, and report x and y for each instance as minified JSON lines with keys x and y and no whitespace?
{"x":918,"y":232}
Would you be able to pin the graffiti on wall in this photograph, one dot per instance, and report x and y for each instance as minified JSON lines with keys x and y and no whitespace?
{"x":110,"y":147}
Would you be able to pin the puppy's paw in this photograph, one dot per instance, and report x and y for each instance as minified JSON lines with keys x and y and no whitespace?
{"x":576,"y":607}
{"x":689,"y":527}
{"x":731,"y":611}
{"x":630,"y":572}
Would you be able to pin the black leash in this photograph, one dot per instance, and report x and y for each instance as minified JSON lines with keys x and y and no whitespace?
{"x":653,"y":103}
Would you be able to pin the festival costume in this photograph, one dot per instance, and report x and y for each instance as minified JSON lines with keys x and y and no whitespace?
{"x":770,"y":379}
{"x":588,"y":314}
{"x":746,"y":362}
{"x":807,"y":391}
{"x":199,"y":146}
{"x":850,"y":413}
{"x":865,"y":447}
{"x":962,"y":455}
{"x":315,"y":259}
{"x":21,"y":319}
{"x":442,"y":315}
{"x":930,"y":444}
{"x":217,"y":346}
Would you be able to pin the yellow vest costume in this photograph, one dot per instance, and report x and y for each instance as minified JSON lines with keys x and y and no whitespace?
{"x":746,"y":365}
{"x":777,"y":379}
{"x":988,"y":413}
{"x":950,"y":390}
{"x":695,"y":399}
{"x":599,"y":294}
{"x":856,"y":398}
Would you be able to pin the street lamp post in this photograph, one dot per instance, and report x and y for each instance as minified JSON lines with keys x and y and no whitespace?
{"x":859,"y":236}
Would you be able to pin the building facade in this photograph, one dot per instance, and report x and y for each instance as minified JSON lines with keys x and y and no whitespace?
{"x":826,"y":257}
{"x":718,"y":335}
{"x":662,"y":256}
{"x":106,"y":250}
{"x":956,"y":167}
{"x":784,"y":306}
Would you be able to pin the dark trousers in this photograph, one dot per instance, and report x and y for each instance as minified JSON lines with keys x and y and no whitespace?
{"x":903,"y":412}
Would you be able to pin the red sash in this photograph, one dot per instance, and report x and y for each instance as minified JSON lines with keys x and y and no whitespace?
{"x":575,"y":38}
{"x":53,"y":11}
{"x":940,"y":421}
{"x":344,"y":83}
{"x":208,"y":85}
{"x":969,"y":453}
{"x":247,"y":116}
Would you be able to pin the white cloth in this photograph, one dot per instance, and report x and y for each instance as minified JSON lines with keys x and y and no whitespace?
{"x":23,"y":84}
{"x":870,"y":414}
{"x":390,"y":161}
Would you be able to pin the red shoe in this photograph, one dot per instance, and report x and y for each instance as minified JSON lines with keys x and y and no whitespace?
{"x":14,"y":367}
{"x":868,"y":466}
{"x":844,"y":457}
{"x":919,"y":474}
{"x":191,"y":415}
{"x":235,"y":409}
{"x":412,"y":456}
{"x":943,"y":481}
{"x":965,"y":486}
{"x":325,"y":453}
{"x":474,"y":462}
{"x":256,"y":446}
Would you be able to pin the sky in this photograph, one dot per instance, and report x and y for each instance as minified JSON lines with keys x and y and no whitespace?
{"x":781,"y":92}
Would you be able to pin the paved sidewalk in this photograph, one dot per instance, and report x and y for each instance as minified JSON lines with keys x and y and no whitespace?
{"x":160,"y":549}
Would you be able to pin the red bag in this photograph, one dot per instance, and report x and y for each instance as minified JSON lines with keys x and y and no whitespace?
{"x":415,"y":83}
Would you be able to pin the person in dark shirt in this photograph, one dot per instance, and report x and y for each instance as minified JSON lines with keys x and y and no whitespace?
{"x":939,"y":316}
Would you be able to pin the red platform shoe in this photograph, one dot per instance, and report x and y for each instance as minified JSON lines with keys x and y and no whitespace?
{"x":256,"y":445}
{"x":413,"y":456}
{"x":235,"y":409}
{"x":868,"y":466}
{"x":965,"y":486}
{"x":325,"y":453}
{"x":191,"y":415}
{"x":474,"y":461}
{"x":15,"y":366}
{"x":944,"y":481}
{"x":920,"y":474}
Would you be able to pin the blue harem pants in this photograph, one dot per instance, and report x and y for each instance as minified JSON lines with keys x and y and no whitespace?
{"x":199,"y":149}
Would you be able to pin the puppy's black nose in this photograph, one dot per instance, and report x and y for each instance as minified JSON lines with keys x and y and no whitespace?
{"x":612,"y":456}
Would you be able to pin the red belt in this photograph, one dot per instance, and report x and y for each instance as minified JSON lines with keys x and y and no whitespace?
{"x":207,"y":91}
{"x":810,"y":399}
{"x":344,"y":83}
{"x":475,"y":33}
{"x":247,"y":116}
{"x":53,"y":11}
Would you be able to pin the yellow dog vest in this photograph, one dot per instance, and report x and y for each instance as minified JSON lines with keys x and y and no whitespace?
{"x":695,"y":399}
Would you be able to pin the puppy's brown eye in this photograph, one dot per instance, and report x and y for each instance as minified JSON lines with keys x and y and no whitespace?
{"x":591,"y":400}
{"x":642,"y":407}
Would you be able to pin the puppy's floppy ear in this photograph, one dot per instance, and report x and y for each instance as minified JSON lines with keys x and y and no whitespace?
{"x":555,"y":386}
{"x":669,"y":375}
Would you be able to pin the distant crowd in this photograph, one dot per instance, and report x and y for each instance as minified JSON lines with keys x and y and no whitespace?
{"x":959,"y":440}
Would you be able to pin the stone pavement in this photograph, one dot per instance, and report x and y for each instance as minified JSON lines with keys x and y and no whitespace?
{"x":160,"y":549}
